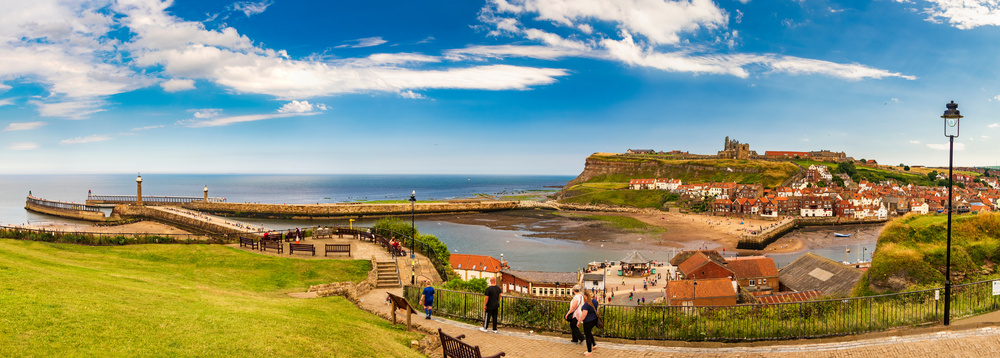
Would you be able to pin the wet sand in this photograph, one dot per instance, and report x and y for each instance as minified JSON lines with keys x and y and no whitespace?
{"x":680,"y":231}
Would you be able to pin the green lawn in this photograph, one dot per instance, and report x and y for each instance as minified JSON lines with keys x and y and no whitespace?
{"x":180,"y":300}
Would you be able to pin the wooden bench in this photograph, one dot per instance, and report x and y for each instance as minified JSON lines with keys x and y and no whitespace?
{"x":322,"y":232}
{"x":271,"y":244}
{"x":292,"y":248}
{"x":454,"y":347}
{"x":248,"y":242}
{"x":367,"y":236}
{"x":399,"y":303}
{"x":338,"y":248}
{"x":342,"y":231}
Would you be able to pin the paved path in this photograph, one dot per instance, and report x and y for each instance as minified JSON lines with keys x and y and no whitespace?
{"x":962,"y":340}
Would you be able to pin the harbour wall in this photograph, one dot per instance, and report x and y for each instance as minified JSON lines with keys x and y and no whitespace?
{"x":174,"y":219}
{"x":769,"y":236}
{"x":344,"y":210}
{"x":63,"y":209}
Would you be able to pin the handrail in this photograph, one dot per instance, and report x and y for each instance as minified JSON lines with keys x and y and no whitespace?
{"x":62,"y":204}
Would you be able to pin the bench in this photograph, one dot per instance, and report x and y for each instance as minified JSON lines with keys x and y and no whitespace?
{"x":399,"y":303}
{"x":367,"y":236}
{"x":248,"y":242}
{"x":292,"y":248}
{"x":353,"y":233}
{"x":454,"y":347}
{"x":338,"y":248}
{"x":271,"y":244}
{"x":322,"y":232}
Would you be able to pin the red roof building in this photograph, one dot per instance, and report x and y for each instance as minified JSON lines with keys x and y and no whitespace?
{"x":754,"y":273}
{"x":475,"y":266}
{"x":708,"y":292}
{"x":700,"y":266}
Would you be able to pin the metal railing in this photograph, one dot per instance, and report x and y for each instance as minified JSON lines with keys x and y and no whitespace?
{"x":418,"y":246}
{"x":62,"y":205}
{"x":810,"y":319}
{"x":153,"y":199}
{"x":108,"y":238}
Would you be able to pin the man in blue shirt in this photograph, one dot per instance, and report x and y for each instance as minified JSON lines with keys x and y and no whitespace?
{"x":427,"y":297}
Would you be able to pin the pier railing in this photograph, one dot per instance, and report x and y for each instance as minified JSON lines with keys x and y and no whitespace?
{"x":153,"y":199}
{"x":62,"y":205}
{"x":750,"y":322}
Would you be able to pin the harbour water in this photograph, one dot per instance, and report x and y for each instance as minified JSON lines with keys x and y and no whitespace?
{"x":522,"y":251}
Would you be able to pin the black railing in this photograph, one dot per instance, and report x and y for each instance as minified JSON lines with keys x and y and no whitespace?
{"x":750,"y":322}
{"x":154,"y":199}
{"x":116,"y":238}
{"x":62,"y":205}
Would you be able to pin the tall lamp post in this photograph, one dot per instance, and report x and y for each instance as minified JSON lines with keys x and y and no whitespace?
{"x":413,"y":238}
{"x":951,"y":118}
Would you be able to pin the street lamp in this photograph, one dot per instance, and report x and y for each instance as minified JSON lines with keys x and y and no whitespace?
{"x":413,"y":239}
{"x":951,"y":118}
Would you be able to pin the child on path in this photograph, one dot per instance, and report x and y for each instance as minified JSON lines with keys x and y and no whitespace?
{"x":427,"y":297}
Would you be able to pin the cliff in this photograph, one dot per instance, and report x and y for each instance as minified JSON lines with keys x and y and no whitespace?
{"x":620,"y":168}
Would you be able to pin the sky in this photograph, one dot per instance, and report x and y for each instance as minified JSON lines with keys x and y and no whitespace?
{"x":486,"y":87}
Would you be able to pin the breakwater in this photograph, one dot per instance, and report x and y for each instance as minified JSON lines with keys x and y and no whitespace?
{"x":179,"y":218}
{"x":344,"y":210}
{"x":770,"y":235}
{"x":64,"y":209}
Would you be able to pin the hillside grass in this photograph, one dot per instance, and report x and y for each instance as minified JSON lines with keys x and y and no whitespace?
{"x":591,"y":195}
{"x":180,"y":301}
{"x":910,"y":253}
{"x":768,"y":173}
{"x":623,"y":223}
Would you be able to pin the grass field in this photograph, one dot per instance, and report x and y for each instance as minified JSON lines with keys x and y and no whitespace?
{"x":180,"y":301}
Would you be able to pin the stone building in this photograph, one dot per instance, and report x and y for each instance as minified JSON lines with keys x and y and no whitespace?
{"x":733,"y":149}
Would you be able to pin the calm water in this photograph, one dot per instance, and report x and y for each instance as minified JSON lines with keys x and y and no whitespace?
{"x":524,"y":253}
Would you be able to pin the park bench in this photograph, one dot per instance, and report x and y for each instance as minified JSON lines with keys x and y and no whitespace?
{"x":292,"y":248}
{"x":338,"y":248}
{"x":400,"y":303}
{"x":248,"y":242}
{"x":322,"y":232}
{"x":271,"y":244}
{"x":342,"y":231}
{"x":454,"y":347}
{"x":367,"y":236}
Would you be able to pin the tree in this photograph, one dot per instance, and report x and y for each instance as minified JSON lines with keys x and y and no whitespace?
{"x":839,"y":181}
{"x":942,"y":182}
{"x":932,"y":175}
{"x":847,"y":168}
{"x":986,"y":172}
{"x":906,"y":168}
{"x":821,"y":184}
{"x":863,"y":161}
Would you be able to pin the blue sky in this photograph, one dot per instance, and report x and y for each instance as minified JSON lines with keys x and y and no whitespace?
{"x":485,"y":87}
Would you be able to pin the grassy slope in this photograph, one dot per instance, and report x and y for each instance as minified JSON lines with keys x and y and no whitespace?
{"x":771,"y":173}
{"x":179,"y":300}
{"x":912,"y":249}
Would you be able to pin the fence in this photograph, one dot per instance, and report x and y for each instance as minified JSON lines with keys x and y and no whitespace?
{"x":810,"y":319}
{"x":153,"y":199}
{"x":92,"y":238}
{"x":62,"y":205}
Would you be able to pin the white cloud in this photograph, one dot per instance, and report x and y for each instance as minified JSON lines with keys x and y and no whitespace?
{"x":661,"y":22}
{"x":250,"y":8}
{"x":206,"y":113}
{"x":964,"y":14}
{"x":995,"y":98}
{"x":984,"y":137}
{"x":146,"y":128}
{"x":70,"y":109}
{"x":6,"y":102}
{"x":4,"y":88}
{"x":411,"y":95}
{"x":502,"y":51}
{"x":914,"y":142}
{"x":894,"y":100}
{"x":176,"y":85}
{"x":301,"y":107}
{"x":225,"y":121}
{"x":22,"y":146}
{"x":87,"y":139}
{"x":994,"y":126}
{"x":365,"y":42}
{"x":24,"y":126}
{"x":958,"y":146}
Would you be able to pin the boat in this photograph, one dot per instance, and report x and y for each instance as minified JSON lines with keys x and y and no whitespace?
{"x":837,"y":234}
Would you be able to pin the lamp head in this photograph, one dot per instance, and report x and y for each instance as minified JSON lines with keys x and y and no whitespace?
{"x":952,"y":117}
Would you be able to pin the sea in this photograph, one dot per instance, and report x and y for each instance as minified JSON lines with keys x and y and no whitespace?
{"x":520,"y":248}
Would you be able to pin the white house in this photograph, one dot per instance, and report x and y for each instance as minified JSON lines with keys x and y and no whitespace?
{"x":475,"y":266}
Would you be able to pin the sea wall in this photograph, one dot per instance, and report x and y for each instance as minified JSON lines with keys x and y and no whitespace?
{"x":65,"y":213}
{"x":760,"y":241}
{"x":321,"y":211}
{"x":172,"y":218}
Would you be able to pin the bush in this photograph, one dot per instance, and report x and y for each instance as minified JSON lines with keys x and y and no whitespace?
{"x":476,"y":285}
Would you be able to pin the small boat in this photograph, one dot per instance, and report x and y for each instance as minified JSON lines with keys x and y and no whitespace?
{"x":837,"y":234}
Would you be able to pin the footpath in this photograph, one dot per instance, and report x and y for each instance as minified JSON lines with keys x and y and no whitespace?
{"x":972,"y":337}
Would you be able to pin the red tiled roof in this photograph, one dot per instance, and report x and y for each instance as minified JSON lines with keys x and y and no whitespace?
{"x":707,"y":288}
{"x":696,"y":261}
{"x":475,"y":263}
{"x":752,"y":266}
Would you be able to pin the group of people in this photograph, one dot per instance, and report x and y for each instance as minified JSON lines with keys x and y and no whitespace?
{"x":582,"y":312}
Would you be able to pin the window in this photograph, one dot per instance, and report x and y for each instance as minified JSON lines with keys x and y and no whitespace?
{"x":752,"y":283}
{"x":763,"y":281}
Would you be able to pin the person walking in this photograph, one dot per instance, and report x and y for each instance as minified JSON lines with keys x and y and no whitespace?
{"x":588,"y":317}
{"x":427,"y":297}
{"x":571,"y":315}
{"x":491,"y":305}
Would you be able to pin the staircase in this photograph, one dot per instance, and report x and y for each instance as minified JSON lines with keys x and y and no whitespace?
{"x":387,"y":275}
